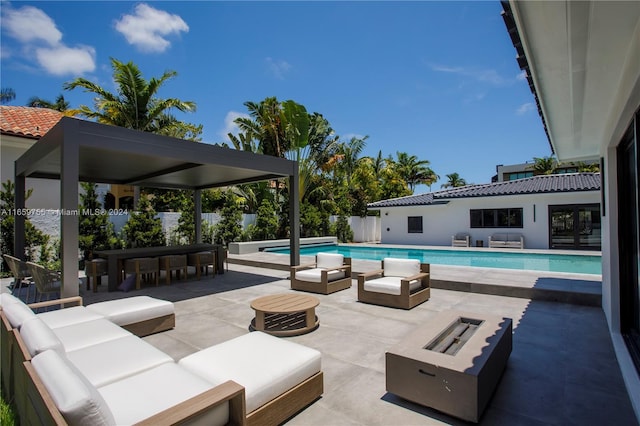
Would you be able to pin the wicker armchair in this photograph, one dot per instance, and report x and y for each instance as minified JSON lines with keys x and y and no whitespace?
{"x":47,"y":282}
{"x":21,"y":275}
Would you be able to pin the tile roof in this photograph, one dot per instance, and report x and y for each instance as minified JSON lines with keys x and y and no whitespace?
{"x":570,"y":182}
{"x":27,"y":122}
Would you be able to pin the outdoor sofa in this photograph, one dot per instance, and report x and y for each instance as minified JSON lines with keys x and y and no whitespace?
{"x":506,"y":241}
{"x":92,"y":371}
{"x":401,"y":283}
{"x":330,"y":272}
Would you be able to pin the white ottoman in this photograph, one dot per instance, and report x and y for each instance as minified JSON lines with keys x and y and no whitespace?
{"x":268,"y":368}
{"x":141,"y":315}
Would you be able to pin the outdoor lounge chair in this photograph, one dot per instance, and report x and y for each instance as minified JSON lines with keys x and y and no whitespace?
{"x":330,"y":272}
{"x":401,"y":283}
{"x":506,"y":241}
{"x":21,"y":275}
{"x":461,"y":240}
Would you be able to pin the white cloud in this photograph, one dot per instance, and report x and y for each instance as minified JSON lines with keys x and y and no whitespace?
{"x":30,"y":24}
{"x":147,"y":28}
{"x":522,"y":76}
{"x":525,"y":108}
{"x":41,"y":42}
{"x":490,"y":76}
{"x":277,"y":67}
{"x":62,"y":60}
{"x":229,"y":125}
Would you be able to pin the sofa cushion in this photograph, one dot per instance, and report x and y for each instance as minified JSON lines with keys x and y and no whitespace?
{"x":17,"y":313}
{"x":389,"y":285}
{"x":329,"y":260}
{"x":315,"y":275}
{"x":280,"y":365}
{"x":106,"y":362}
{"x":400,"y":267}
{"x":7,"y":298}
{"x":88,"y":333}
{"x":499,"y":237}
{"x":131,"y":310}
{"x":142,"y":395}
{"x":514,"y":238}
{"x":79,"y":402}
{"x":68,"y":316}
{"x":38,"y":337}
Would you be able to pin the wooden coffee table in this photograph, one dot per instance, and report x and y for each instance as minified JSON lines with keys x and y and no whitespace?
{"x":285,"y":314}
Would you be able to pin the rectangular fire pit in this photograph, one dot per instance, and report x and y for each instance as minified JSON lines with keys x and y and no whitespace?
{"x":451,"y":364}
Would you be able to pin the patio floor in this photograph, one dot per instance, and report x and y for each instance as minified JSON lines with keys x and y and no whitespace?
{"x":562,"y":370}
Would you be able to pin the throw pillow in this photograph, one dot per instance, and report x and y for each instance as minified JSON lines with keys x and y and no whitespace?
{"x":128,"y":284}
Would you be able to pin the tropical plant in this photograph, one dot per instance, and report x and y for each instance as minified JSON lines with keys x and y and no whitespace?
{"x":343,"y":230}
{"x":454,"y":181}
{"x":135,"y":105}
{"x":544,"y":165}
{"x":229,"y":228}
{"x":587,"y":168}
{"x":7,"y":94}
{"x":94,"y":228}
{"x":60,"y":103}
{"x":186,"y":225}
{"x":414,"y":171}
{"x":266,"y":225}
{"x":144,"y":229}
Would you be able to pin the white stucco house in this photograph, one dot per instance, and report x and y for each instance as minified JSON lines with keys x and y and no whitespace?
{"x":582,"y":62}
{"x":549,"y":211}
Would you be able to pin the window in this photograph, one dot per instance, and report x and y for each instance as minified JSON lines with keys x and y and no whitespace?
{"x":518,"y":175}
{"x":414,"y":224}
{"x":496,"y":218}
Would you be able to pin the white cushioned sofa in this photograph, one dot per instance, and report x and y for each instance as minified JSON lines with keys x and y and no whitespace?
{"x":92,"y":371}
{"x":401,"y":283}
{"x":506,"y":241}
{"x":330,"y":272}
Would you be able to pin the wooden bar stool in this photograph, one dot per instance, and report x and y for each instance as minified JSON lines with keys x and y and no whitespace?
{"x":140,"y":266}
{"x":175,"y":262}
{"x":95,"y":269}
{"x":202,"y":260}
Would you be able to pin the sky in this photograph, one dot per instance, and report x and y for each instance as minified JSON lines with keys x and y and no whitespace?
{"x":438,"y":80}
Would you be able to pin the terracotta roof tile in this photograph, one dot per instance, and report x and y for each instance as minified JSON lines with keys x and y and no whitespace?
{"x":26,"y":121}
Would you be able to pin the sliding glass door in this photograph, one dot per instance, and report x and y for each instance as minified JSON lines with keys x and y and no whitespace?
{"x":575,"y":227}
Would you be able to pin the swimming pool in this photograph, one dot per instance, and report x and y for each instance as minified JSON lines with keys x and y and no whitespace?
{"x":586,"y":264}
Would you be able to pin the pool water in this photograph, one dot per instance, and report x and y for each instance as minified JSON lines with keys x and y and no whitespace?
{"x":580,"y":264}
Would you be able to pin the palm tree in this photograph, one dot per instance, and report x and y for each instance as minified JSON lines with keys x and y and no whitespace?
{"x":349,"y":154}
{"x":7,"y":94}
{"x":265,"y":125}
{"x":544,"y":165}
{"x":414,"y":171}
{"x":59,"y":105}
{"x":135,"y":105}
{"x":584,"y":167}
{"x":454,"y":181}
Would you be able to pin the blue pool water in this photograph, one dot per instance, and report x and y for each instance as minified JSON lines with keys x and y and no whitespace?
{"x":586,"y":264}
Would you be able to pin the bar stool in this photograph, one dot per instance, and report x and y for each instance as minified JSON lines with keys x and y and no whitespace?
{"x":142,"y":266}
{"x":174,"y":262}
{"x":95,"y":269}
{"x":202,"y":260}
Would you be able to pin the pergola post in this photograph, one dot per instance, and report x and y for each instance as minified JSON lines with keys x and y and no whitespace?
{"x":197,"y":213}
{"x":70,"y":160}
{"x":19,"y":219}
{"x":294,"y":217}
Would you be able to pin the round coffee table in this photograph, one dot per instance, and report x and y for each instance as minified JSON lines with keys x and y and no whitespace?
{"x":285,"y":314}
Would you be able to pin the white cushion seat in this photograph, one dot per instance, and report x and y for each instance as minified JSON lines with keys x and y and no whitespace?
{"x":329,"y":260}
{"x":390,"y":285}
{"x":106,"y":362}
{"x":88,"y":333}
{"x":16,"y":312}
{"x":315,"y":275}
{"x":38,"y":337}
{"x":68,"y":316}
{"x":142,"y":395}
{"x":132,"y":309}
{"x":265,"y":365}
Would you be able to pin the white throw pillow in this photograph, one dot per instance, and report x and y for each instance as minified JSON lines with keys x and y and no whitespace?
{"x":38,"y":337}
{"x":329,"y":260}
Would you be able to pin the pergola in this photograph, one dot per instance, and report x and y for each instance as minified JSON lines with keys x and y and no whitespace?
{"x":76,"y":151}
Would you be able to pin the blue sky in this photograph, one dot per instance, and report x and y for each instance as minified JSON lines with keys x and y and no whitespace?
{"x":438,"y":80}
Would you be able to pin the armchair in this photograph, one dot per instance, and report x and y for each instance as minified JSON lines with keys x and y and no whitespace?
{"x":461,"y":240}
{"x":330,"y":272}
{"x":47,"y":281}
{"x":401,"y":283}
{"x":20,"y":274}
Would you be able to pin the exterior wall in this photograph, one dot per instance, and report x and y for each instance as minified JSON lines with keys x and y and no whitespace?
{"x":365,"y":229}
{"x":46,"y":192}
{"x":441,"y":222}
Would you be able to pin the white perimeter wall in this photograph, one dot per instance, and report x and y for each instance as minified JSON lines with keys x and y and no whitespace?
{"x":441,"y":222}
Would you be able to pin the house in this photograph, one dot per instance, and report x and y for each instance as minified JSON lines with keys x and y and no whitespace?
{"x":550,"y":211}
{"x":20,"y":128}
{"x":582,"y":63}
{"x":524,"y":170}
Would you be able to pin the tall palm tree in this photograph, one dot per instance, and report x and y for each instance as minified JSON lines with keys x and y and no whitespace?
{"x":413,"y":170}
{"x":135,"y":105}
{"x":265,"y":125}
{"x":454,"y":181}
{"x":59,"y":105}
{"x":7,"y":94}
{"x":349,"y":154}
